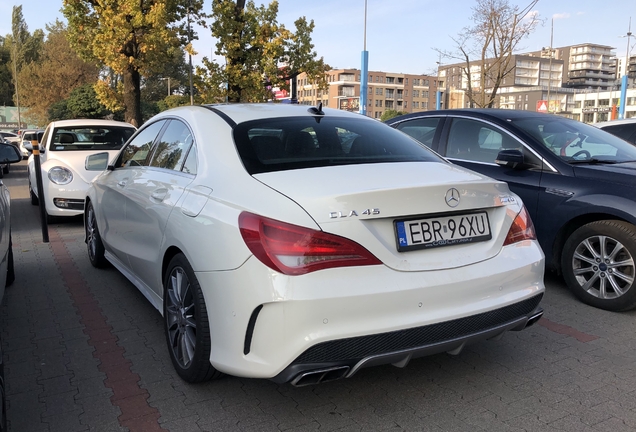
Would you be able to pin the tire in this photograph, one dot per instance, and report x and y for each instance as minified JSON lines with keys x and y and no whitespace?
{"x":599,"y":264}
{"x":94,"y":243}
{"x":186,"y":323}
{"x":34,"y":197}
{"x":10,"y":267}
{"x":3,"y":398}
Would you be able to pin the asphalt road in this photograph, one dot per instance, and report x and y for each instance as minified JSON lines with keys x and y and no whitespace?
{"x":85,"y":351}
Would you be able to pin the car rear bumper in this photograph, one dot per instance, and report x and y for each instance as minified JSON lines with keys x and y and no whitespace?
{"x":267,"y":325}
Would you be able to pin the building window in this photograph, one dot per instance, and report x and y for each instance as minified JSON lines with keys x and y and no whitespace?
{"x":526,"y":98}
{"x":425,"y":93}
{"x":415,"y":104}
{"x":589,"y":103}
{"x":426,"y":82}
{"x":416,"y":93}
{"x":390,"y":80}
{"x":416,"y":81}
{"x":406,"y":81}
{"x":379,"y":90}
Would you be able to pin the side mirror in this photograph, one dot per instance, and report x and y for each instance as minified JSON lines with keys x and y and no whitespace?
{"x":511,"y":158}
{"x":9,"y":154}
{"x":97,"y":162}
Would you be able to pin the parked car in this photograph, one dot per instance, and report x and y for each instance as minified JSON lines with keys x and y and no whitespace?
{"x":8,"y":154}
{"x":274,"y":253}
{"x":577,"y":182}
{"x":29,"y":137}
{"x":9,"y":138}
{"x":64,"y":147}
{"x":625,"y":129}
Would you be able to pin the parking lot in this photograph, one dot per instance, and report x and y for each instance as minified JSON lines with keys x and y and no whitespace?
{"x":85,"y":351}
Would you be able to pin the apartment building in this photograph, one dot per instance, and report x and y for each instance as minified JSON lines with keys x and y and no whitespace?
{"x":586,"y":65}
{"x":386,"y":91}
{"x":597,"y":106}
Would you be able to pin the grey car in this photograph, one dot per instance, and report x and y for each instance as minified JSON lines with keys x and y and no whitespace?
{"x":8,"y":154}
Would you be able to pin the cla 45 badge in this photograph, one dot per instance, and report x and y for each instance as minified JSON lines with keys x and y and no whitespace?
{"x":352,"y":213}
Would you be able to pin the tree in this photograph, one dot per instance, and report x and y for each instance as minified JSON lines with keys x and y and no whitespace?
{"x":6,"y":73}
{"x":132,"y":37}
{"x":54,"y":75}
{"x":487,"y":47}
{"x":259,"y":52}
{"x":390,"y":113}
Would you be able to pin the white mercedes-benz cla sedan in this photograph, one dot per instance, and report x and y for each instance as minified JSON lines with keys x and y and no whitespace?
{"x":301,"y":245}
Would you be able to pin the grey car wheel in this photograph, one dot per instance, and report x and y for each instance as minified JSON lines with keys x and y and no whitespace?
{"x":599,"y":264}
{"x":186,"y":323}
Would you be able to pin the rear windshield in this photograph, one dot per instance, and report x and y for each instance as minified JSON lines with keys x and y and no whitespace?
{"x":303,"y":142}
{"x":90,"y":138}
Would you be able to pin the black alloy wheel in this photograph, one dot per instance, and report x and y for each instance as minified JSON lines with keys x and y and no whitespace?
{"x":186,"y":323}
{"x":93,"y":239}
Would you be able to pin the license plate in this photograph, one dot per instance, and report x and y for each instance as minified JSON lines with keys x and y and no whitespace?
{"x":441,"y":231}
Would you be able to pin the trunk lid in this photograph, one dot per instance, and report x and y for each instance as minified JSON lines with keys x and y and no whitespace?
{"x":362,"y":203}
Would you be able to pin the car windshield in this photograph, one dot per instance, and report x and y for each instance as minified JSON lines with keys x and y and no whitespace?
{"x":576,"y":142}
{"x":90,"y":138}
{"x":279,"y":144}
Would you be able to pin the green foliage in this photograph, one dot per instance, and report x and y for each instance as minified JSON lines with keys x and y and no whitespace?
{"x":83,"y":103}
{"x":260,"y":53}
{"x":390,"y":113}
{"x":132,"y":37}
{"x":6,"y":73}
{"x":54,"y":75}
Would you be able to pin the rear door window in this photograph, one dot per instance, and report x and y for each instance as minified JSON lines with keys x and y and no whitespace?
{"x":422,"y":129}
{"x":136,"y":152}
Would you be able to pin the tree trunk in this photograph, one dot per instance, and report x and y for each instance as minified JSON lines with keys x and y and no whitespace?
{"x":132,"y":96}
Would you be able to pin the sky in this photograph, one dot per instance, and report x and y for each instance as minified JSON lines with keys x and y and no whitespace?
{"x":403,"y":35}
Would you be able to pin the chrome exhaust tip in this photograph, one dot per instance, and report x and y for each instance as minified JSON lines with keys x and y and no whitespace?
{"x":534,"y":318}
{"x":320,"y":376}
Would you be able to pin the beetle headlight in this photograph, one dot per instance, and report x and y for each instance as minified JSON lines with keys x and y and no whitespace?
{"x":60,"y":175}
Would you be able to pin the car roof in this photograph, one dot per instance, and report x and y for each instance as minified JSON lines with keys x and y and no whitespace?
{"x":242,"y":112}
{"x":615,"y":122}
{"x":89,"y":122}
{"x":485,"y":113}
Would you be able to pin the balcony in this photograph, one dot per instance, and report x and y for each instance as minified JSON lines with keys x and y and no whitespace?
{"x":347,"y":91}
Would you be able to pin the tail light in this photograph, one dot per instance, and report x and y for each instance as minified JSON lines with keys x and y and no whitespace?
{"x":295,"y":250}
{"x":522,"y":228}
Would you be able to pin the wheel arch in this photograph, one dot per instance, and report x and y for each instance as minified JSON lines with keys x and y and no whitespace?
{"x":170,"y":253}
{"x":571,"y":226}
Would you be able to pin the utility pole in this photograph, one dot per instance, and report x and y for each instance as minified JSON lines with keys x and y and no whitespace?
{"x":364,"y":72}
{"x":15,"y":79}
{"x":621,"y":109}
{"x":189,"y":53}
{"x":550,"y":63}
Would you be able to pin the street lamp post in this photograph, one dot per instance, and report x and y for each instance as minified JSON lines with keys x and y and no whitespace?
{"x":15,"y":79}
{"x":621,"y":109}
{"x":189,"y":53}
{"x":364,"y":72}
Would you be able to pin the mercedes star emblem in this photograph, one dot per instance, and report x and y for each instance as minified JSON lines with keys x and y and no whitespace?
{"x":452,"y":197}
